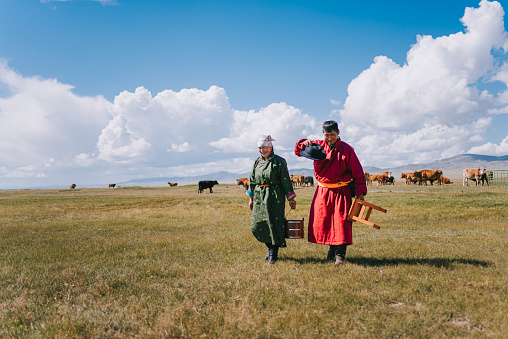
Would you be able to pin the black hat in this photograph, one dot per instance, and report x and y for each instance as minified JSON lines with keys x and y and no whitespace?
{"x":313,"y":152}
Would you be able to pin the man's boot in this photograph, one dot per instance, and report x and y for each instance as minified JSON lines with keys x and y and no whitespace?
{"x":340,"y":254}
{"x":331,"y":252}
{"x":274,"y":251}
{"x":267,"y":256}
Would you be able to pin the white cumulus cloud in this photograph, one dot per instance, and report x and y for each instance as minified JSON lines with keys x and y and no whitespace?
{"x":430,"y":106}
{"x":42,"y":119}
{"x":491,"y":149}
{"x":144,"y":127}
{"x":285,"y":123}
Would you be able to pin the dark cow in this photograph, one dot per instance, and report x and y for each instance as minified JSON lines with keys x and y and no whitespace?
{"x":244,"y":182}
{"x":308,"y":181}
{"x":485,"y":176}
{"x":73,"y":186}
{"x":172,"y":184}
{"x":385,"y":176}
{"x":204,"y":184}
{"x":112,"y":185}
{"x":390,"y":180}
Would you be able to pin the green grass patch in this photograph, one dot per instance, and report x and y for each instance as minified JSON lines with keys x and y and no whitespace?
{"x":168,"y":262}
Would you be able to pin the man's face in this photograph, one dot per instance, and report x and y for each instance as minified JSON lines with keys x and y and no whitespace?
{"x":331,"y":137}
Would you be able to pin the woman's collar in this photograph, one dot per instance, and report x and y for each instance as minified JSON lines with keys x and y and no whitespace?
{"x":269,"y":157}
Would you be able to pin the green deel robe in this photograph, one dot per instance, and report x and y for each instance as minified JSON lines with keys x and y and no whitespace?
{"x":269,"y":202}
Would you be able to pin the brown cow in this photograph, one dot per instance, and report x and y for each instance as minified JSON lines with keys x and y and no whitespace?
{"x":445,"y":181}
{"x":112,"y":185}
{"x":410,"y":179}
{"x":244,"y":182}
{"x":172,"y":184}
{"x":472,"y":174}
{"x":297,"y":180}
{"x":427,"y":175}
{"x":376,"y":177}
{"x":73,"y":186}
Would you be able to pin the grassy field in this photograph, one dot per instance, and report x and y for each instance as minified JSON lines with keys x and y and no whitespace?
{"x":167,"y":262}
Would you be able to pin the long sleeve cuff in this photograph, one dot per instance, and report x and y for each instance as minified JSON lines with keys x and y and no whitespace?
{"x":290,"y":195}
{"x":249,"y":193}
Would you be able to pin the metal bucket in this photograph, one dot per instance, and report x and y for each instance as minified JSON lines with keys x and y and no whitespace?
{"x":294,"y":229}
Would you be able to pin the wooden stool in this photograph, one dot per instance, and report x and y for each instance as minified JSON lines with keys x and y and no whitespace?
{"x":357,"y":210}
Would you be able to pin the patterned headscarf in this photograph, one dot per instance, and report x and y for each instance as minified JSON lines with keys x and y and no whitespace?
{"x":265,"y":140}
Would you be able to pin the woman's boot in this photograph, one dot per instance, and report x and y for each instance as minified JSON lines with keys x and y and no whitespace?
{"x":274,"y":252}
{"x":331,"y":252}
{"x":340,"y":254}
{"x":267,"y":256}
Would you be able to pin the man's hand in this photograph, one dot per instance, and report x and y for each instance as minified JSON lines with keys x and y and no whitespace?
{"x":251,"y":203}
{"x":360,"y":197}
{"x":307,"y":142}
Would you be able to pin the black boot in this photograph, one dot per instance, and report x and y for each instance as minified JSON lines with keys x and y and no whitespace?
{"x":274,"y":252}
{"x":340,"y":254}
{"x":267,"y":256}
{"x":331,"y":252}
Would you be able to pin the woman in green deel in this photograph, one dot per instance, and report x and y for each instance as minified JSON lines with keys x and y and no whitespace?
{"x":269,"y":185}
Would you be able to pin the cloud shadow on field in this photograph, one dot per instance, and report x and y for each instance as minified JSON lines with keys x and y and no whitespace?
{"x":379,"y":262}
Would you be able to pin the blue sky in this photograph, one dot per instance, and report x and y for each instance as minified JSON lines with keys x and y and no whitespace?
{"x":114,"y":90}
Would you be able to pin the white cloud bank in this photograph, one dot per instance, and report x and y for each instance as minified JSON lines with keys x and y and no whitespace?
{"x":43,"y":124}
{"x":45,"y":128}
{"x":428,"y":108}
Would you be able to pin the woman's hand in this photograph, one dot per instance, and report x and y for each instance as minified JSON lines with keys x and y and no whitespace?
{"x":251,"y":203}
{"x":292,"y":203}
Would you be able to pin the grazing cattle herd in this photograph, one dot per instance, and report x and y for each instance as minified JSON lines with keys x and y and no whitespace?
{"x":421,"y":177}
{"x":385,"y":178}
{"x":478,"y":175}
{"x":301,"y":180}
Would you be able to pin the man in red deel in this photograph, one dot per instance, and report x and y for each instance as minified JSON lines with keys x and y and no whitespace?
{"x":340,"y":177}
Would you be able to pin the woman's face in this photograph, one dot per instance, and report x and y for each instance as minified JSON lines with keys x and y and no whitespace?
{"x":265,"y":151}
{"x":331,"y":137}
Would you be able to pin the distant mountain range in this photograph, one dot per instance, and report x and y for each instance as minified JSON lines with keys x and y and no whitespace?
{"x":451,"y":167}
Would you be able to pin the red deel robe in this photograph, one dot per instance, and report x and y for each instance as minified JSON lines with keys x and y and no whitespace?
{"x":328,"y":222}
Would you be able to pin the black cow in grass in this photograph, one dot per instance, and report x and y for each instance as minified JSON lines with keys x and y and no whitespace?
{"x":204,"y":184}
{"x":308,"y":181}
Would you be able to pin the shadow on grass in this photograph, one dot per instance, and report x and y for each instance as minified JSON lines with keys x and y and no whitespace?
{"x":375,"y":262}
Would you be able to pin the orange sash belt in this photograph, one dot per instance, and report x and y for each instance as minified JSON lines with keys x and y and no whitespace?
{"x":264,"y":185}
{"x":334,"y":185}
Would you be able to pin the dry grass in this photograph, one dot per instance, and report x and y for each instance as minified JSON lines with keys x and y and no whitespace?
{"x":161,"y":262}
